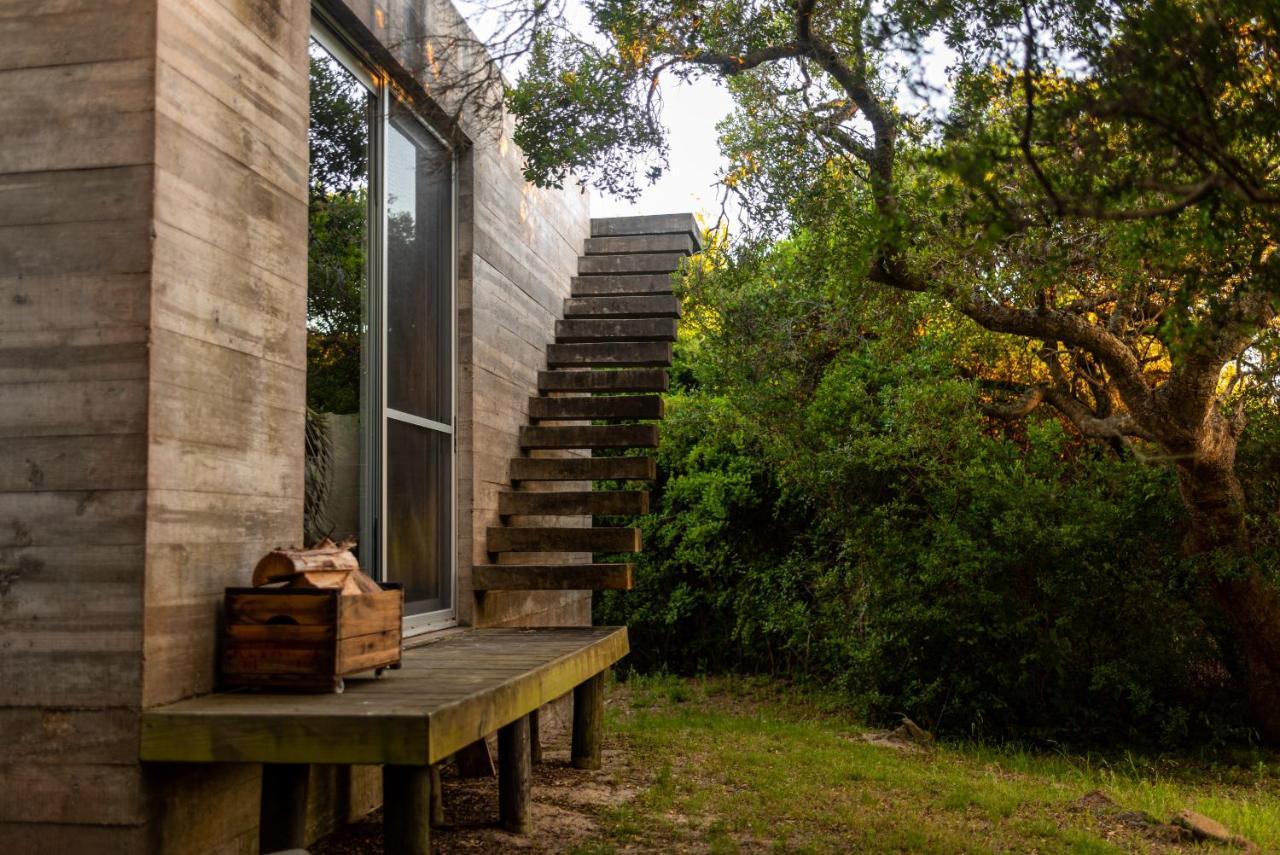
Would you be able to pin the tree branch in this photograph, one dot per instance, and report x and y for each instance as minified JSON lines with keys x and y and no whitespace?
{"x":1028,"y":401}
{"x":730,"y":64}
{"x":1055,"y":325}
{"x":1029,"y":111}
{"x":1192,"y":386}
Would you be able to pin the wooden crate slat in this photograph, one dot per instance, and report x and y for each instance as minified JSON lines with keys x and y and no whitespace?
{"x":363,"y":652}
{"x":369,"y":613}
{"x":305,"y":607}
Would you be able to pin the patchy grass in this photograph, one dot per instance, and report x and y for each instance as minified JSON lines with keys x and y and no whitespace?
{"x":733,"y":765}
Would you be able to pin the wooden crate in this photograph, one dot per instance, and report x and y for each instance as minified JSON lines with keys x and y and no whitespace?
{"x":308,"y":639}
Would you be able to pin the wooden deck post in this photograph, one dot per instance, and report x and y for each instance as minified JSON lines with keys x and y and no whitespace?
{"x":282,"y":812}
{"x":514,"y":775}
{"x":588,"y":722}
{"x":437,"y":797}
{"x":406,"y":809}
{"x":535,"y":741}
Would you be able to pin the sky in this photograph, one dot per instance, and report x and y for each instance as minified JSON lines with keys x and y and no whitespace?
{"x":690,"y":113}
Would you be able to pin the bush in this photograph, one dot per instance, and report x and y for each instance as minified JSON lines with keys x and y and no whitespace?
{"x":832,"y":507}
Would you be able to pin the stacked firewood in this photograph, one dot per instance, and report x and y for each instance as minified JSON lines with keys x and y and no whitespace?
{"x":325,"y":565}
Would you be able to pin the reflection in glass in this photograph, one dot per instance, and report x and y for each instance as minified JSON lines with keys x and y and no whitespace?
{"x":419,"y":328}
{"x":419,"y":357}
{"x":419,"y":516}
{"x":339,"y":361}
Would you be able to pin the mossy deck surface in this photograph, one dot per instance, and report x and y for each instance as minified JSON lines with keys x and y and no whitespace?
{"x":447,"y":694}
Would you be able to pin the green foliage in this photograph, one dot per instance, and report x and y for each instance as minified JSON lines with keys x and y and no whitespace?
{"x":338,"y":133}
{"x":833,"y":507}
{"x":338,"y":241}
{"x":582,"y":114}
{"x":1095,"y":181}
{"x":336,"y":288}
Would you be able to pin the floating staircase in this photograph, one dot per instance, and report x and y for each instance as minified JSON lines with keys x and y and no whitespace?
{"x":608,"y":364}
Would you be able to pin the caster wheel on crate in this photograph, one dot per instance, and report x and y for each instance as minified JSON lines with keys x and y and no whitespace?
{"x":339,"y":685}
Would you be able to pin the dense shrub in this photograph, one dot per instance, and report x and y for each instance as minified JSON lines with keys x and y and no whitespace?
{"x":833,"y":507}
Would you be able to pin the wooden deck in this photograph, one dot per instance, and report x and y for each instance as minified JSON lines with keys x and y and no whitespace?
{"x":448,"y":694}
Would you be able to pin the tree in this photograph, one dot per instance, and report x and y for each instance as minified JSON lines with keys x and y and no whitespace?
{"x":338,"y":209}
{"x":1102,"y":186}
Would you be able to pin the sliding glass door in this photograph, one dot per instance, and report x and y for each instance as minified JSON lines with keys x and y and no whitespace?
{"x":419,"y":362}
{"x":380,"y":343}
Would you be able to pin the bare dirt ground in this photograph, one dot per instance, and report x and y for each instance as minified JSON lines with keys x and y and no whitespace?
{"x":565,"y":809}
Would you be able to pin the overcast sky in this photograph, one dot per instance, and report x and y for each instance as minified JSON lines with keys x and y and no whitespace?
{"x":690,"y":112}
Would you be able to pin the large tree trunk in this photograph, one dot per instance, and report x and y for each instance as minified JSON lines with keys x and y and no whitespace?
{"x":1252,"y":606}
{"x":1210,"y":489}
{"x":1250,"y":603}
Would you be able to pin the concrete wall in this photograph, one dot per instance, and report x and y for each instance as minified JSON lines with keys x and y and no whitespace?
{"x":228,"y":345}
{"x":77,"y":155}
{"x":152,"y":363}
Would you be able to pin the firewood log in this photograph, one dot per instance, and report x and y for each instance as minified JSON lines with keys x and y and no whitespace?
{"x":280,"y":564}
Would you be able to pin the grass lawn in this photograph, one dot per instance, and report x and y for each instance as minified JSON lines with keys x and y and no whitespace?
{"x":743,"y":766}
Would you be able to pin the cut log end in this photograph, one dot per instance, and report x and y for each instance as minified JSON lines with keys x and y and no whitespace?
{"x":286,"y":563}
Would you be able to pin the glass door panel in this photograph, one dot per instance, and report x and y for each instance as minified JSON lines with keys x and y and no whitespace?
{"x":419,"y":178}
{"x":419,"y":364}
{"x":420,"y":515}
{"x":341,"y":389}
{"x":380,"y":332}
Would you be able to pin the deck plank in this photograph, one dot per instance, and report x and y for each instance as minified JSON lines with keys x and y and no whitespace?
{"x":448,"y":694}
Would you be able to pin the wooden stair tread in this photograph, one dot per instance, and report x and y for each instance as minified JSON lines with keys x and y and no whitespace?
{"x":626,"y":263}
{"x":589,"y":436}
{"x":676,"y":242}
{"x":553,"y":577}
{"x":597,"y":407}
{"x":574,"y":503}
{"x":622,"y":285}
{"x":556,"y":539}
{"x":624,"y":380}
{"x":621,"y":354}
{"x":648,"y":224}
{"x":615,"y":329}
{"x":584,"y":469}
{"x":637,"y":306}
{"x":611,"y":346}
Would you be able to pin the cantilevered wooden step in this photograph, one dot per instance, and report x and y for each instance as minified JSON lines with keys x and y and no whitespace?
{"x":588,"y":407}
{"x":681,"y":243}
{"x":530,"y":539}
{"x":616,"y":354}
{"x":589,"y":436}
{"x":616,"y":329}
{"x":648,"y":306}
{"x":584,"y":469}
{"x":553,"y":577}
{"x":615,"y":338}
{"x":647,"y":224}
{"x":611,"y":503}
{"x":604,"y":265}
{"x":626,"y":285}
{"x":627,"y":380}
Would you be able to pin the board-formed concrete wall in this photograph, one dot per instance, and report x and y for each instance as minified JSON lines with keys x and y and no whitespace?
{"x":77,"y":155}
{"x":152,"y":364}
